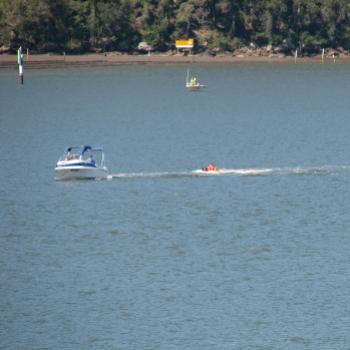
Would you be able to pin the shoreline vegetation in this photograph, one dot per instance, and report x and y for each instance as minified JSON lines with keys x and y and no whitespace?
{"x":37,"y":61}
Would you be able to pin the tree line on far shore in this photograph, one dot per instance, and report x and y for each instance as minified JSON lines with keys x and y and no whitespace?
{"x":79,"y":26}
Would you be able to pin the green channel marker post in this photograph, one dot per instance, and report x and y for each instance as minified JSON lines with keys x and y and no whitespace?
{"x":20,"y":62}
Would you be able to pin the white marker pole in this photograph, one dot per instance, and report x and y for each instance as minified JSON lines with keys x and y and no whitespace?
{"x":20,"y":63}
{"x":296,"y":56}
{"x":323,"y":55}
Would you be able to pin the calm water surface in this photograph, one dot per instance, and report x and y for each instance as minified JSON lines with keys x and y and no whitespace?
{"x":158,"y":257}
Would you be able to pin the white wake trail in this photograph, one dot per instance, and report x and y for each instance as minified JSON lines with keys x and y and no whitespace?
{"x":192,"y":173}
{"x":282,"y":171}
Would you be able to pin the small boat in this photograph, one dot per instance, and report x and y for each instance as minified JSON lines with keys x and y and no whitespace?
{"x":192,"y":83}
{"x":210,"y":168}
{"x":82,"y":162}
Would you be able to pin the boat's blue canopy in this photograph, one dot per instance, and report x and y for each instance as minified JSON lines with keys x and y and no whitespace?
{"x":83,"y":149}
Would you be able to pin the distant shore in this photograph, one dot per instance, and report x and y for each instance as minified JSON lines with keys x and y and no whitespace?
{"x":110,"y":59}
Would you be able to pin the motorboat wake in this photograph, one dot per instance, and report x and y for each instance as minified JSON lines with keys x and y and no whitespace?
{"x":233,"y":172}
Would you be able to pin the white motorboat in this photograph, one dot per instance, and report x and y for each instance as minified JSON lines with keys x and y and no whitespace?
{"x":192,"y":83}
{"x":82,"y":162}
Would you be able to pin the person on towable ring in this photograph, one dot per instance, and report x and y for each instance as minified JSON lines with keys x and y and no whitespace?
{"x":211,"y":167}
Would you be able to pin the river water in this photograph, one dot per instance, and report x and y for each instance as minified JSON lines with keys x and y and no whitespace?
{"x":157,"y":256}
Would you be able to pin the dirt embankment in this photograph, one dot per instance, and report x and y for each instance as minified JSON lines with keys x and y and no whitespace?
{"x":57,"y":61}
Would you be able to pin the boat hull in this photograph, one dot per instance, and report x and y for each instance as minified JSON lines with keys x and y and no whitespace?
{"x":194,"y":87}
{"x":80,"y":173}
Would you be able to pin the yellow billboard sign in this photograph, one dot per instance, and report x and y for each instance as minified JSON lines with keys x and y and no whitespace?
{"x":184,"y":44}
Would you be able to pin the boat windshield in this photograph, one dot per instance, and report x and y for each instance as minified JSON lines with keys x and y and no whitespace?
{"x":70,"y":153}
{"x":86,"y":153}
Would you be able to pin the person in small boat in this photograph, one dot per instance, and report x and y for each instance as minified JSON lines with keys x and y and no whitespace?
{"x":69,"y":154}
{"x":194,"y":81}
{"x":91,"y":159}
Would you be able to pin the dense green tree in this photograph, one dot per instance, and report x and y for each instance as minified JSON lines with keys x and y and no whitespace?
{"x":37,"y":24}
{"x":104,"y":25}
